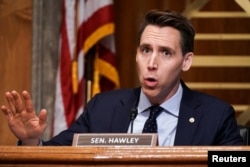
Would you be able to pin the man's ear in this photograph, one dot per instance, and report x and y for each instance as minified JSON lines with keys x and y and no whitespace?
{"x":188,"y":60}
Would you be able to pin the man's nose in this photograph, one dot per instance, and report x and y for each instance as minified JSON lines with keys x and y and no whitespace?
{"x":152,"y":64}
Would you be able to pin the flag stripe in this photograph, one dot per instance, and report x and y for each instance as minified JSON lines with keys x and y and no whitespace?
{"x":67,"y":104}
{"x":92,"y":24}
{"x":91,"y":6}
{"x":65,"y":68}
{"x":107,"y":29}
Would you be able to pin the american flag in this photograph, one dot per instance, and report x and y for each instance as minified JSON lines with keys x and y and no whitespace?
{"x":87,"y":30}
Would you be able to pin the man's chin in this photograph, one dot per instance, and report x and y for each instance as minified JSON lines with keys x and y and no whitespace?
{"x":150,"y":91}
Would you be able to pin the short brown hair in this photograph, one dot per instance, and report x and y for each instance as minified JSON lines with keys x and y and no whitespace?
{"x":172,"y":19}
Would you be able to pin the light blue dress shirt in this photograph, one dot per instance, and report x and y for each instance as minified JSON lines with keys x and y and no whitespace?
{"x":166,"y":121}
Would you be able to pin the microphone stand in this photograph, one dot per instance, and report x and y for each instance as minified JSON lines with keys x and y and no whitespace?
{"x":133,"y":116}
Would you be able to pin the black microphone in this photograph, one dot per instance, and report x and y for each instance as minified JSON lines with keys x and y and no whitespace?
{"x":133,"y":115}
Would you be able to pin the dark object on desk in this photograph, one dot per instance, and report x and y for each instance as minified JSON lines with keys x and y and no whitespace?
{"x":245,"y":133}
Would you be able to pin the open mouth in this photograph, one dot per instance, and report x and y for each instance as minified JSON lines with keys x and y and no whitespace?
{"x":151,"y":79}
{"x":150,"y":82}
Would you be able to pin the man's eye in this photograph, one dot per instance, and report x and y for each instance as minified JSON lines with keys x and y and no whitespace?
{"x":165,"y":52}
{"x":145,"y":50}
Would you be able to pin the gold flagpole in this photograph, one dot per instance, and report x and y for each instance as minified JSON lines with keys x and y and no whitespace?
{"x":74,"y":64}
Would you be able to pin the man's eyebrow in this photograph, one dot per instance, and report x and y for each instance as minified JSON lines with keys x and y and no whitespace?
{"x":166,"y":47}
{"x":144,"y":44}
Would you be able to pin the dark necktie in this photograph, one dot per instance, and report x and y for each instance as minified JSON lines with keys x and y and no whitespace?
{"x":150,"y":125}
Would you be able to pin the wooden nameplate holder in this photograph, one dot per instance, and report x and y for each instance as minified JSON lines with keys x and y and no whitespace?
{"x":114,"y":139}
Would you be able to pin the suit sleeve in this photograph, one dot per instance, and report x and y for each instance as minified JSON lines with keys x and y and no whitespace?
{"x":229,"y":130}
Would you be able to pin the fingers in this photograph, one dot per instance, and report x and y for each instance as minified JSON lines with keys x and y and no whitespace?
{"x":4,"y":109}
{"x":11,"y":102}
{"x":43,"y":116}
{"x":17,"y":104}
{"x":27,"y":101}
{"x":7,"y":112}
{"x":43,"y":119}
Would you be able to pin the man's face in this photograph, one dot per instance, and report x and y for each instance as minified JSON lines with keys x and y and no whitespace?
{"x":160,"y":62}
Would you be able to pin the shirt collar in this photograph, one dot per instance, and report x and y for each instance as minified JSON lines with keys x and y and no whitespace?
{"x":172,"y":105}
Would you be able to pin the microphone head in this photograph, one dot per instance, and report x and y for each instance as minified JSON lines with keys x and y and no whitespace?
{"x":134,"y":113}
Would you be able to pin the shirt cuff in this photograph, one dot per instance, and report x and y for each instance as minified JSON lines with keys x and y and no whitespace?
{"x":19,"y":143}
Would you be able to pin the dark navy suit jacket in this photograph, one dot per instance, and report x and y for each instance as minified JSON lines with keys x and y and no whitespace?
{"x":110,"y":112}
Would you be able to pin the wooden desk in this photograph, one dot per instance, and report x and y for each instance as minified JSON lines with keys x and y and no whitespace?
{"x":177,"y":156}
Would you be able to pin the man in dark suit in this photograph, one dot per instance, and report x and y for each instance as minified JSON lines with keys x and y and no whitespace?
{"x":185,"y":117}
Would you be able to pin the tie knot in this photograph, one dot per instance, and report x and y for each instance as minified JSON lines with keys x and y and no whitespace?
{"x":155,"y":111}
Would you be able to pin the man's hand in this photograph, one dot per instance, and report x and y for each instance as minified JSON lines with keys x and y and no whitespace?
{"x":22,"y":119}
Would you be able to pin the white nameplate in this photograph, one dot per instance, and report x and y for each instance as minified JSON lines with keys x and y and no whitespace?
{"x":114,"y":139}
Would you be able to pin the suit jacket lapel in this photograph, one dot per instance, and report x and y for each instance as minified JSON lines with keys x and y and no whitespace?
{"x":122,"y":112}
{"x":189,"y":118}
